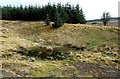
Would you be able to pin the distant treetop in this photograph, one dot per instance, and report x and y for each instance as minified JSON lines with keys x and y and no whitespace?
{"x":69,"y":13}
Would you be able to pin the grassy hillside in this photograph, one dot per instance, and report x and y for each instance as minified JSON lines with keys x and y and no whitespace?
{"x":99,"y":58}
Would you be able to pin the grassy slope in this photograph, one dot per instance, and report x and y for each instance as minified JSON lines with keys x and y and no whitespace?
{"x":28,"y":34}
{"x":70,"y":33}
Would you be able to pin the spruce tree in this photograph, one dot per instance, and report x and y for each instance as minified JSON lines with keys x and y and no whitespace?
{"x":67,"y":13}
{"x":47,"y":20}
{"x":58,"y":21}
{"x":82,"y":17}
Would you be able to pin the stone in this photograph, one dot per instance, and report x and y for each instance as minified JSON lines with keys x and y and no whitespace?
{"x":67,"y":64}
{"x":49,"y":50}
{"x":31,"y":59}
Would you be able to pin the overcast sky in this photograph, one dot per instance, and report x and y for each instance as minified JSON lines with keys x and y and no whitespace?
{"x":93,"y":9}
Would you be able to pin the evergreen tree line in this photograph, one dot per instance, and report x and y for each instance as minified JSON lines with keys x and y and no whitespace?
{"x":68,"y":13}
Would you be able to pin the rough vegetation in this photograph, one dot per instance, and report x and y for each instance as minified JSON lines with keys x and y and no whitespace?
{"x":29,"y":49}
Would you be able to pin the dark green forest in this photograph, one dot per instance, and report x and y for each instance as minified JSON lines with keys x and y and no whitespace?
{"x":68,"y":13}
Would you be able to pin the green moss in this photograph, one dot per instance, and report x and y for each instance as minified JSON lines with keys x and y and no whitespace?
{"x":47,"y":69}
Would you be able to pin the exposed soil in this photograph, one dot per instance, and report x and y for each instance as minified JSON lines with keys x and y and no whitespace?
{"x":96,"y":70}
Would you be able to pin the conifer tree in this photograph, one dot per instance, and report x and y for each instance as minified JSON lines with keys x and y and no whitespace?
{"x":47,"y":20}
{"x":58,"y":21}
{"x":68,"y":13}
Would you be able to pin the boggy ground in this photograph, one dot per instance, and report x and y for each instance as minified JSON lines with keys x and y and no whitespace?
{"x":94,"y":50}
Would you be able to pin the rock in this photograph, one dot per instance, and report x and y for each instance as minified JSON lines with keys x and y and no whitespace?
{"x":31,"y":59}
{"x":23,"y":57}
{"x":39,"y":53}
{"x":49,"y":49}
{"x":67,"y":64}
{"x":18,"y":76}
